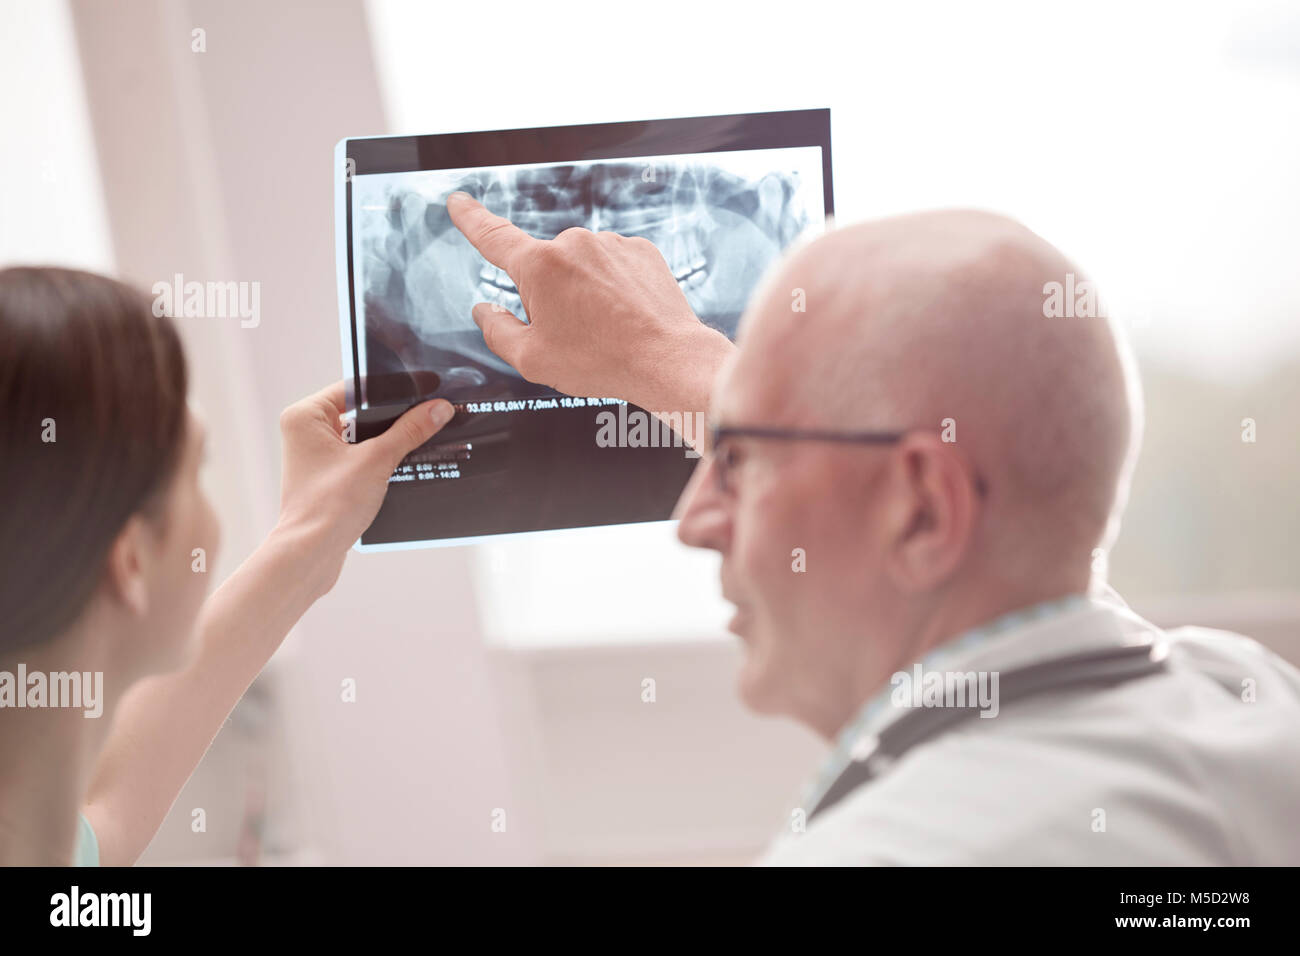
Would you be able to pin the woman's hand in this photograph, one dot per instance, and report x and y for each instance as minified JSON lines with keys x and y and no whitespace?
{"x":331,"y":489}
{"x":330,"y":492}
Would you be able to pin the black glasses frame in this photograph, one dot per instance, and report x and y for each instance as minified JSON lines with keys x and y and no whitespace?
{"x":720,"y":433}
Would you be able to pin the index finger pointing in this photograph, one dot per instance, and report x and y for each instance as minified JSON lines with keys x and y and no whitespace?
{"x":497,"y":238}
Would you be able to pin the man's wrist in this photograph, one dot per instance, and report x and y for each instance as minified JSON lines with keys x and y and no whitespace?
{"x":681,"y":371}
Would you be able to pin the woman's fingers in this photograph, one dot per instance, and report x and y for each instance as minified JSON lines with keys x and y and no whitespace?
{"x":330,"y":398}
{"x":415,"y":427}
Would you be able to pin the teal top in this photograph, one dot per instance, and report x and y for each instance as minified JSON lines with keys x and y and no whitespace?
{"x":87,"y":851}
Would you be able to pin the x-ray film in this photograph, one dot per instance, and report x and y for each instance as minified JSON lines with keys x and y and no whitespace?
{"x":721,"y":197}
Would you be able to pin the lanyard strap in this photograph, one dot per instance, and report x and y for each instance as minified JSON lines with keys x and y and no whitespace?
{"x":1105,"y":668}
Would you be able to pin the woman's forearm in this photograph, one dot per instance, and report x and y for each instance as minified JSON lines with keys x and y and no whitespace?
{"x":165,"y":724}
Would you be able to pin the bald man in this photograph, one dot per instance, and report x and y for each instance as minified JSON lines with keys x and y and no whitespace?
{"x":907,"y":483}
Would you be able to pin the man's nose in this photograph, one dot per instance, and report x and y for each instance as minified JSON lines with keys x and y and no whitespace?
{"x":704,"y":519}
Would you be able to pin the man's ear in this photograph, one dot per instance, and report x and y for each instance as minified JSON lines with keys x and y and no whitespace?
{"x":124,"y":571}
{"x":931,"y":514}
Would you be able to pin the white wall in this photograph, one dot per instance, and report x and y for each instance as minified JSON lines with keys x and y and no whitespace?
{"x":218,"y":165}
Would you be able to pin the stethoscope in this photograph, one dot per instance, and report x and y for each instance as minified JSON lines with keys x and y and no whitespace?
{"x":1096,"y":668}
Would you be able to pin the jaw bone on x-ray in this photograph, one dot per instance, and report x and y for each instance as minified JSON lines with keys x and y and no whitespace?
{"x":719,"y":220}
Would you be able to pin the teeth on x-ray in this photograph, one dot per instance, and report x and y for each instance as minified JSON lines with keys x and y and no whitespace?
{"x":717,"y":231}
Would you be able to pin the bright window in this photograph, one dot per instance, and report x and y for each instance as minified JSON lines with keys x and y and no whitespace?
{"x":1156,"y":144}
{"x":51,"y":203}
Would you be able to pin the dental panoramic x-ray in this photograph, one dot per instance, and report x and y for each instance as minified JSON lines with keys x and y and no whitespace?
{"x":721,"y":198}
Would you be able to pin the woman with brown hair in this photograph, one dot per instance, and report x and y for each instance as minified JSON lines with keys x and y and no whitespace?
{"x":103,"y":511}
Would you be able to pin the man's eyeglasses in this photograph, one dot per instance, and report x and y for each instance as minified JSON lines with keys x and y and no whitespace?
{"x":725,"y":453}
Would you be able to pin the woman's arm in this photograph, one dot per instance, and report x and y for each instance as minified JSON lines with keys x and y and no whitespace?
{"x":330,"y":492}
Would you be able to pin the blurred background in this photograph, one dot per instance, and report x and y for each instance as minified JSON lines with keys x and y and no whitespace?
{"x":1157,"y":144}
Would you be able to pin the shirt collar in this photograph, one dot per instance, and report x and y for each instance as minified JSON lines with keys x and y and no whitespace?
{"x":876,"y":711}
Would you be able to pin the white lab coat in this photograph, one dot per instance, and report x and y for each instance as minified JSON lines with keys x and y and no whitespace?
{"x":1184,"y":768}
